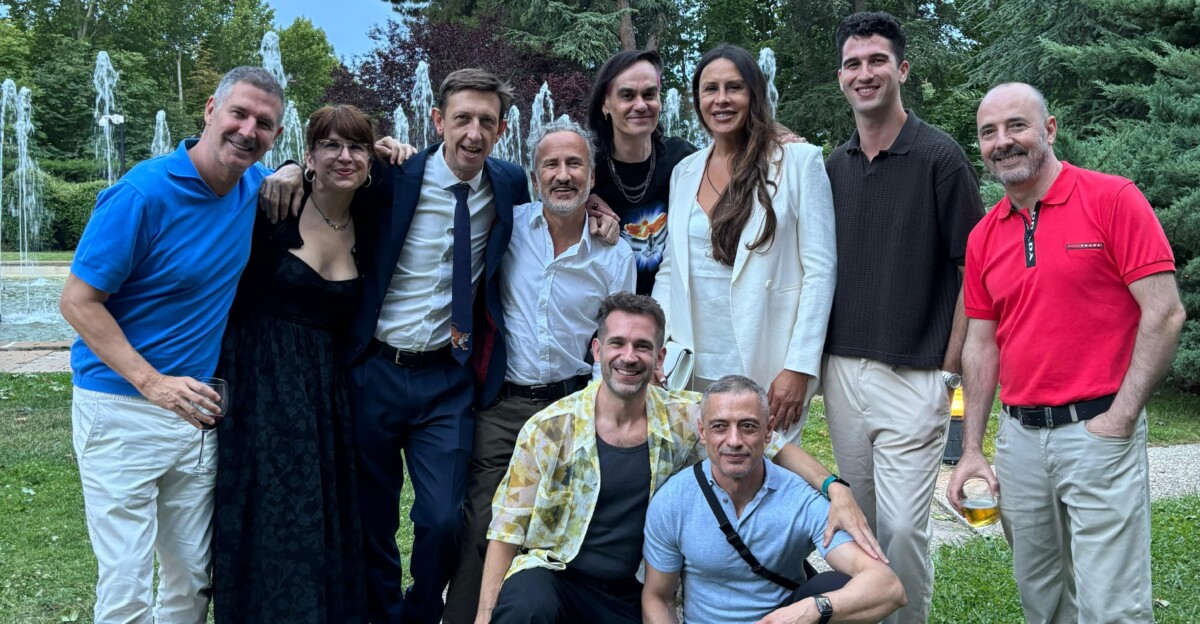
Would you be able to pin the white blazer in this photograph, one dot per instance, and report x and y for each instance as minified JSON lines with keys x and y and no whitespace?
{"x":780,"y":295}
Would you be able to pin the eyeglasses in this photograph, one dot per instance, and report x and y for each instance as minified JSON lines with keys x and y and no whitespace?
{"x":333,"y":147}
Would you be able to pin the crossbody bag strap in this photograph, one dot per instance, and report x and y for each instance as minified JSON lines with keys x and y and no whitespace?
{"x":734,"y":539}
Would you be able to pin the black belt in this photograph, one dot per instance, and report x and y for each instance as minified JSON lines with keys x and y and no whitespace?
{"x":410,"y":359}
{"x":546,"y":392}
{"x":1038,"y":417}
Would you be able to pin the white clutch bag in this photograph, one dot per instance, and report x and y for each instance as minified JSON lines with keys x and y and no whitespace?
{"x":677,"y":366}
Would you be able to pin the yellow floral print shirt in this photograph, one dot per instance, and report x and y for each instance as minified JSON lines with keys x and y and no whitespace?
{"x":548,"y":496}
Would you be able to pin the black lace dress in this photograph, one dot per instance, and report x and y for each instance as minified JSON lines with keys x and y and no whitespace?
{"x":287,"y":541}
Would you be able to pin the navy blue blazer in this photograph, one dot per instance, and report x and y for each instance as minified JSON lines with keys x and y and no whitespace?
{"x":385,"y":212}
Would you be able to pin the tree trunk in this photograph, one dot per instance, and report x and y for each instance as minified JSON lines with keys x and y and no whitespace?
{"x":179,"y":71}
{"x":627,"y":40}
{"x":83,"y":28}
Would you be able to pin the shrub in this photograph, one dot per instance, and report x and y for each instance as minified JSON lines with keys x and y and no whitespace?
{"x":71,"y":204}
{"x":71,"y":170}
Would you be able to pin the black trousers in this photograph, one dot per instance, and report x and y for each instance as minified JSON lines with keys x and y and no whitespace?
{"x":544,"y":596}
{"x":427,"y":413}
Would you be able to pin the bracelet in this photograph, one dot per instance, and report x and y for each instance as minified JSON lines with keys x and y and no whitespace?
{"x":831,"y":479}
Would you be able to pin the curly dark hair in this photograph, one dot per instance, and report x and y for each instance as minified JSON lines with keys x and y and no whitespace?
{"x":865,"y":24}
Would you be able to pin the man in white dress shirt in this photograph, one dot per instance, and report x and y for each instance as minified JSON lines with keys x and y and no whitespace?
{"x":553,"y":279}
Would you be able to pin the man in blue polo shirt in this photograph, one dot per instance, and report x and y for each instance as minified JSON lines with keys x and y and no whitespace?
{"x":778,"y":517}
{"x":149,"y":291}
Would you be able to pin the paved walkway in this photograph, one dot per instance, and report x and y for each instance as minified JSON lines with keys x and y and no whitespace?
{"x":31,"y":357}
{"x":1174,"y":470}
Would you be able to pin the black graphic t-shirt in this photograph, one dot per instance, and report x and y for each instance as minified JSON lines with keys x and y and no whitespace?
{"x":644,"y":224}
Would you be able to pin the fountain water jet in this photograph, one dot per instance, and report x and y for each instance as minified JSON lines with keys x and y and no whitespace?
{"x":400,"y":124}
{"x":421,"y":102}
{"x":161,"y":144}
{"x":766,"y":61}
{"x":25,"y":206}
{"x":104,"y":79}
{"x":509,"y":146}
{"x":289,"y":145}
{"x":669,"y":118}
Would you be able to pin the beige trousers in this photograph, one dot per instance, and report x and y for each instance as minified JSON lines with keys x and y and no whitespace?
{"x":888,"y":425}
{"x":140,"y":503}
{"x":1076,"y":509}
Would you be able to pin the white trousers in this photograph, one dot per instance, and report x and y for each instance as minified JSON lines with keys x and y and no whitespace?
{"x":888,"y":425}
{"x":1076,"y":509}
{"x":140,"y":503}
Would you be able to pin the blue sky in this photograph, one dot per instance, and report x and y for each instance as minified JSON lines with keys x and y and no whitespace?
{"x":345,"y":22}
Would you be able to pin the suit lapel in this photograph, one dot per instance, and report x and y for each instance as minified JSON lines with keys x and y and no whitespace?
{"x":750,"y":233}
{"x":680,"y":241}
{"x":502,"y":194}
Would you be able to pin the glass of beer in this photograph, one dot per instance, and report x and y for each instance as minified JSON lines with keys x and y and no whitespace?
{"x":979,"y":507}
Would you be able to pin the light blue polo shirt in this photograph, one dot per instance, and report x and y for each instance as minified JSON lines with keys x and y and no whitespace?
{"x":781,"y":526}
{"x":169,"y":251}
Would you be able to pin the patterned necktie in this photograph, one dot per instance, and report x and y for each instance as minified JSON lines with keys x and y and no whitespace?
{"x":460,"y":302}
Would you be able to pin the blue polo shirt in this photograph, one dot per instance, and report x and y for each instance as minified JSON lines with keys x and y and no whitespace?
{"x":781,"y":526}
{"x":169,"y":251}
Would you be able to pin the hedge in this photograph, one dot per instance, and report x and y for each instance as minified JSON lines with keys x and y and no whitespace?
{"x":69,"y":205}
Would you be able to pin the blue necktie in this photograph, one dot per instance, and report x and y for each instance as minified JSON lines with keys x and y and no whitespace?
{"x":460,"y":303}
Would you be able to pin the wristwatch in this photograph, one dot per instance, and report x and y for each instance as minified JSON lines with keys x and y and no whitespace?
{"x":953,"y":380}
{"x":825,"y":607}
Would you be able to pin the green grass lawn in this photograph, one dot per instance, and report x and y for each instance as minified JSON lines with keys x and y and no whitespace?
{"x":47,"y":572}
{"x":40,"y":256}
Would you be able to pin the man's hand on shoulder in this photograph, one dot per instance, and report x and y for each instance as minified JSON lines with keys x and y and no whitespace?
{"x":845,"y":515}
{"x":602,"y":221}
{"x":281,"y":192}
{"x":392,"y":151}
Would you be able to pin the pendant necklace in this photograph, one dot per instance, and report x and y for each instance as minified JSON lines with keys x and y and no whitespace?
{"x":336,"y":227}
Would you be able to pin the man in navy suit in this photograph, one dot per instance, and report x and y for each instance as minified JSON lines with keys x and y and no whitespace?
{"x":420,"y":361}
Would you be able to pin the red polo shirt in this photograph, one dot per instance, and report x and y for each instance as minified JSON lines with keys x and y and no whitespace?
{"x":1066,"y":320}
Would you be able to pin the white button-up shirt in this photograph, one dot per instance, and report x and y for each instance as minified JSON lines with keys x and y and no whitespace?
{"x":415,"y":315}
{"x":550,"y":303}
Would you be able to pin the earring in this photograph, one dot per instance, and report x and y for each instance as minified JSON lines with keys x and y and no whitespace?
{"x":367,"y":183}
{"x":309,"y":175}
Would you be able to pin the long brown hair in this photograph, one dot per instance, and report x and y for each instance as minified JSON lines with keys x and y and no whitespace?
{"x":749,"y":166}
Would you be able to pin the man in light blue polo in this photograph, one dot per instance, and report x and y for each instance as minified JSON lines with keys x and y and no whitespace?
{"x":149,"y":291}
{"x":778,"y":517}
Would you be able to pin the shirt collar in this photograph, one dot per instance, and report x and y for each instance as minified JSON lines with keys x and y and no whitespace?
{"x":442,"y":175}
{"x":900,"y":145}
{"x":1058,"y":194}
{"x":658,"y":426}
{"x":179,"y":164}
{"x":537,"y":219}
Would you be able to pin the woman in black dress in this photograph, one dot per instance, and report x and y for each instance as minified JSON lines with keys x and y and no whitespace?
{"x":287,"y":539}
{"x":633,"y":159}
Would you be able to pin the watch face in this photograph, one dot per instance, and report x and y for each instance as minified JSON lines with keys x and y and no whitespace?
{"x":824,"y":605}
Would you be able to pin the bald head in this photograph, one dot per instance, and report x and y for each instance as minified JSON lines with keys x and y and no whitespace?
{"x":1016,"y":133}
{"x":1020,"y":90}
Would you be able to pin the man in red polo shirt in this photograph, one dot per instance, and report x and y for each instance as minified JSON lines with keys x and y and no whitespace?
{"x":1070,"y":291}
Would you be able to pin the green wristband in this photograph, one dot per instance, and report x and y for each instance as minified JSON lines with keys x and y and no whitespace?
{"x":830,"y":480}
{"x":825,"y":486}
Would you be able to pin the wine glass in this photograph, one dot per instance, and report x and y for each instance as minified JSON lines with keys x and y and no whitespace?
{"x":222,"y":389}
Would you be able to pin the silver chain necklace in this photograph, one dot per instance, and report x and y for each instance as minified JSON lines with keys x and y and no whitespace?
{"x":640,"y":190}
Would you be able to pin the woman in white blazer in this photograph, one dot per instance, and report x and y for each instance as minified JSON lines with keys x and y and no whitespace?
{"x":748,"y":275}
